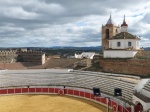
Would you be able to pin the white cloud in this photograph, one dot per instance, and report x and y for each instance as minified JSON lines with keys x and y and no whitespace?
{"x":19,"y":13}
{"x":45,"y":23}
{"x":53,"y":8}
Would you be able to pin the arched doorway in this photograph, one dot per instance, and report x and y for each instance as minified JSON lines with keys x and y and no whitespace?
{"x":138,"y":107}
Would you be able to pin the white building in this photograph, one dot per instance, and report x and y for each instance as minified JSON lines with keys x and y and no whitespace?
{"x":121,"y":45}
{"x":88,"y":55}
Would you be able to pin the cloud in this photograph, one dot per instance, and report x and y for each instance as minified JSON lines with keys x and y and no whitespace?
{"x":19,"y":13}
{"x":146,"y":18}
{"x":44,"y":23}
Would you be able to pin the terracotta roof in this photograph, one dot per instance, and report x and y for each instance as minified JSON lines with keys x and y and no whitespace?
{"x":124,"y":35}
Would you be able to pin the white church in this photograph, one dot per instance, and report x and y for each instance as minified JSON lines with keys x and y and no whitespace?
{"x":118,"y":44}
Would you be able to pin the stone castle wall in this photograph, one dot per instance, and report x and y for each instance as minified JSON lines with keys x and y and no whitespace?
{"x":8,"y":56}
{"x":143,"y":54}
{"x":126,"y":66}
{"x":31,"y":56}
{"x":12,"y":56}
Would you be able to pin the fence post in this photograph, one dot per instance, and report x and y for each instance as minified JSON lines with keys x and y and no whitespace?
{"x":90,"y":95}
{"x":84,"y":93}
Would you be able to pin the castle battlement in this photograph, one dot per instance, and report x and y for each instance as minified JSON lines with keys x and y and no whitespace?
{"x":30,"y":53}
{"x":7,"y":51}
{"x":11,"y":56}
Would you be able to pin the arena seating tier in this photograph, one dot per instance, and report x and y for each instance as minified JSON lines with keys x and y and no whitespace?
{"x":82,"y":79}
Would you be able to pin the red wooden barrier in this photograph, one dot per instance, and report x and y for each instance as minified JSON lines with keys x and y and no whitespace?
{"x":11,"y":91}
{"x":45,"y":90}
{"x":24,"y":90}
{"x":51,"y":90}
{"x":38,"y":90}
{"x":17,"y":90}
{"x":76,"y":92}
{"x":57,"y":90}
{"x":114,"y":106}
{"x":98,"y":99}
{"x":137,"y":108}
{"x":3,"y":91}
{"x":120,"y":108}
{"x":68,"y":91}
{"x":128,"y":109}
{"x":32,"y":90}
{"x":81,"y":94}
{"x":87,"y":95}
{"x":103,"y":100}
{"x":92,"y":97}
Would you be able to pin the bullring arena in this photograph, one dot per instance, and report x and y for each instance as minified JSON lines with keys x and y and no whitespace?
{"x":57,"y":90}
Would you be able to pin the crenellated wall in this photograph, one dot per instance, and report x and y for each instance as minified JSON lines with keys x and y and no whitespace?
{"x":12,"y":56}
{"x":8,"y":56}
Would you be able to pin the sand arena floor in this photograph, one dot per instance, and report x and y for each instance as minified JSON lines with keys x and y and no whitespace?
{"x":47,"y":103}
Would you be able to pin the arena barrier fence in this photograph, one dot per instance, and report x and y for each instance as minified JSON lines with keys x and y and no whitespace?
{"x":76,"y":92}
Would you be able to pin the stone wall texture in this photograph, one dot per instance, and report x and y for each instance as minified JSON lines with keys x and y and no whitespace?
{"x":13,"y":56}
{"x":126,"y":66}
{"x":143,"y":54}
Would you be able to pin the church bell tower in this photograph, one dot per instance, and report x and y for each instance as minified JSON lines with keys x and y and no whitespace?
{"x":108,"y":31}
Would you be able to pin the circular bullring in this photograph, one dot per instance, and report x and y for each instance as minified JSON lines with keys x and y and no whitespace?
{"x":47,"y":103}
{"x":77,"y":84}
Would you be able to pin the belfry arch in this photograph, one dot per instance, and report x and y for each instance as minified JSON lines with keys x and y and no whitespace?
{"x":107,"y":34}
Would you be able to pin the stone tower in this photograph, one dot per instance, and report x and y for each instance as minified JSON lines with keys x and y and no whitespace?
{"x":108,"y":31}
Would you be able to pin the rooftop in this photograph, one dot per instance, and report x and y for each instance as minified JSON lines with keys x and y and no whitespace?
{"x":110,"y":20}
{"x":124,"y":35}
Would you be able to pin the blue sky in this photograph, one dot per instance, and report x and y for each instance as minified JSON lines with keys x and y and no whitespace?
{"x":45,"y":23}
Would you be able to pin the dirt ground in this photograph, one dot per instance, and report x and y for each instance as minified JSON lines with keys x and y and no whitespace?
{"x":47,"y":103}
{"x":51,"y":63}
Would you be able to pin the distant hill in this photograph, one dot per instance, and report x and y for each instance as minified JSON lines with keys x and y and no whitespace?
{"x":78,"y":48}
{"x":55,"y":48}
{"x":147,"y":48}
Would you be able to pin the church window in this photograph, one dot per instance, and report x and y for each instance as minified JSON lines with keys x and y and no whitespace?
{"x":129,"y":44}
{"x":107,"y":33}
{"x":118,"y":44}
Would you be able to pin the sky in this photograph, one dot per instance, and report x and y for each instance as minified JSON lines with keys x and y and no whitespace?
{"x":46,"y":23}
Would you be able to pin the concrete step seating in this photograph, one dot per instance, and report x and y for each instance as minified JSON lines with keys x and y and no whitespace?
{"x":106,"y":82}
{"x":147,"y":86}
